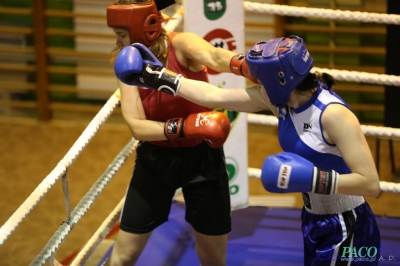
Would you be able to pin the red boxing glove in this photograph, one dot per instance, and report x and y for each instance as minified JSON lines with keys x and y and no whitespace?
{"x":238,"y":67}
{"x":213,"y":127}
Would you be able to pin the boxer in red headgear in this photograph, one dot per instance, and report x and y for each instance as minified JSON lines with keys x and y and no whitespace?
{"x":180,"y":142}
{"x":139,"y":21}
{"x":141,"y":18}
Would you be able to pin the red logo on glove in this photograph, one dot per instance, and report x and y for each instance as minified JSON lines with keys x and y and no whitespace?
{"x":284,"y":176}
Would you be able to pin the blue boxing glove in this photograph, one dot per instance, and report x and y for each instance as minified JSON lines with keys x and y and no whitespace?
{"x":129,"y":65}
{"x":289,"y":172}
{"x":137,"y":65}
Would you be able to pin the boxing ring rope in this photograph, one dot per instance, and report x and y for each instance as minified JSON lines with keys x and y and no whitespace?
{"x":175,"y":20}
{"x":356,"y":76}
{"x":285,"y":10}
{"x":101,"y":233}
{"x":60,"y":171}
{"x":59,"y":236}
{"x":375,"y":131}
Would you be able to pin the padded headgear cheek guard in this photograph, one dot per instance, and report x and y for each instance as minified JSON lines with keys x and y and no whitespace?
{"x":280,"y":65}
{"x":142,"y":20}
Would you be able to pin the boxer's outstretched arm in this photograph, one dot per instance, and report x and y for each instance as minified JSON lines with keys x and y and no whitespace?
{"x":136,"y":65}
{"x":251,"y":99}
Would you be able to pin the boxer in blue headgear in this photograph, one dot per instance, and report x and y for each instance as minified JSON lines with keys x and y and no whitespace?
{"x":326,"y":156}
{"x":280,"y":65}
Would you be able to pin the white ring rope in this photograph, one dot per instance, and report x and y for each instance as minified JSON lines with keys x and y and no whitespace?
{"x":98,"y":236}
{"x":172,"y":24}
{"x":384,"y":132}
{"x":59,"y":171}
{"x":285,"y":10}
{"x":365,"y":77}
{"x":86,"y":202}
{"x":390,"y":186}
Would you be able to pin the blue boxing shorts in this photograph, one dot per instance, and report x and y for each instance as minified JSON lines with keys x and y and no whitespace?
{"x":348,"y":238}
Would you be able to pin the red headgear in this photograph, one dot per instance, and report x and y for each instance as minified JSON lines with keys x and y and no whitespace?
{"x":141,"y":18}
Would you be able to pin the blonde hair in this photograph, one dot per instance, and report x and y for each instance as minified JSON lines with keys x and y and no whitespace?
{"x":159,"y":48}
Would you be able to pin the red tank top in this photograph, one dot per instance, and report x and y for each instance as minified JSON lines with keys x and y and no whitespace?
{"x":160,"y":106}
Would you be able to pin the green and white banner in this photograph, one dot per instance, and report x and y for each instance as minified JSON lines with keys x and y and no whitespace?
{"x":222,"y":24}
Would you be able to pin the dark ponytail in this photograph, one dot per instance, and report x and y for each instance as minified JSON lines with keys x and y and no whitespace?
{"x":311,"y":81}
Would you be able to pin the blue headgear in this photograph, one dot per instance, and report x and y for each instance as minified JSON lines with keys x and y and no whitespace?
{"x":280,"y":65}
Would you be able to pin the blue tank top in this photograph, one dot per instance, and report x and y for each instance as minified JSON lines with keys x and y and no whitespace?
{"x":300,"y":131}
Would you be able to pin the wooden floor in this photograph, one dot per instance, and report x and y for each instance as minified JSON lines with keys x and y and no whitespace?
{"x":31,"y":150}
